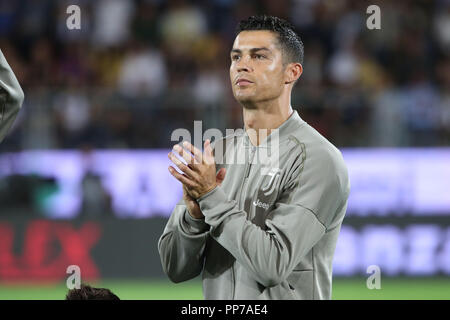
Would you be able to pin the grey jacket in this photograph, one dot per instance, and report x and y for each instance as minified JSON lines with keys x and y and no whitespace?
{"x":267,"y":234}
{"x":11,"y":97}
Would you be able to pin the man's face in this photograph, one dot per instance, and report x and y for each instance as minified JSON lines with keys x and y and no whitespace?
{"x":256,"y":57}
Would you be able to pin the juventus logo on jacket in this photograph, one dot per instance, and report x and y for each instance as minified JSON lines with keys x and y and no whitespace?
{"x":274,"y":174}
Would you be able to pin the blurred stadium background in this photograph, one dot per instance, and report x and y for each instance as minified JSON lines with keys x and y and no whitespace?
{"x":84,"y":169}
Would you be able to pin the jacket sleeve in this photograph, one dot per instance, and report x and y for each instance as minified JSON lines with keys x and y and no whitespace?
{"x":182,"y":244}
{"x":293,"y":226}
{"x":11,"y":97}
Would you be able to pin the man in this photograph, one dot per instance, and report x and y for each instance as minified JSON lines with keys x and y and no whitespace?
{"x":255,"y":233}
{"x":11,"y":97}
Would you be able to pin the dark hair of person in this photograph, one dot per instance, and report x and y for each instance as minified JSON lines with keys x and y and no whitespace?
{"x":87,"y":292}
{"x":289,"y":41}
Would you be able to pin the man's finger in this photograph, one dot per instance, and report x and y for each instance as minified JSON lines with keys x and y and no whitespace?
{"x":197,"y":153}
{"x":209,"y":157}
{"x":221,"y":175}
{"x":187,"y":156}
{"x":188,"y":171}
{"x":182,"y":178}
{"x":209,"y":148}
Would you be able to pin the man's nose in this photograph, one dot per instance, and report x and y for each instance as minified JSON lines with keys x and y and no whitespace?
{"x":243,"y":68}
{"x":243,"y":65}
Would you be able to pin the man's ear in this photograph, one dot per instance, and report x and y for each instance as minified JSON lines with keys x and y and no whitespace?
{"x":293,"y":71}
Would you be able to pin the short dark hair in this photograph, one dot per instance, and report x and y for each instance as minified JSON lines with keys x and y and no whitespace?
{"x":289,"y":40}
{"x":87,"y":292}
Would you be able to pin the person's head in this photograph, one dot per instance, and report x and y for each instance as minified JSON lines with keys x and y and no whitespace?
{"x":268,"y":52}
{"x":87,"y":292}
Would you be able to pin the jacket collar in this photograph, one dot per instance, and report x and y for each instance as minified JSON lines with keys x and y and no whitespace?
{"x":287,"y":127}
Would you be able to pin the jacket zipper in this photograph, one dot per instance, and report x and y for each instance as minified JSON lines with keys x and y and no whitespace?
{"x":244,"y":182}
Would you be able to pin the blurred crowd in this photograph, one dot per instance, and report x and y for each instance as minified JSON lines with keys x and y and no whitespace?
{"x":137,"y":70}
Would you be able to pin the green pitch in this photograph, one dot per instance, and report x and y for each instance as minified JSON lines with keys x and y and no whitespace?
{"x":353,"y":288}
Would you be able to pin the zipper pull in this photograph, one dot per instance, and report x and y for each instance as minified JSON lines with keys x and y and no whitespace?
{"x":248,"y":171}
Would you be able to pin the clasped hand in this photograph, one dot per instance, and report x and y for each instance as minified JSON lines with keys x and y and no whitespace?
{"x":199,"y":173}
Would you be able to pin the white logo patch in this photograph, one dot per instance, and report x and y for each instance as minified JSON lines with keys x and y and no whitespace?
{"x":274,"y":174}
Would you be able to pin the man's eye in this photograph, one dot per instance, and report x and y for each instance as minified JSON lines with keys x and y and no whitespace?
{"x":258,"y":56}
{"x":235,"y":57}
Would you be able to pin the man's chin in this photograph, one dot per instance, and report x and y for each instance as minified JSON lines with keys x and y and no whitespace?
{"x":245,"y":98}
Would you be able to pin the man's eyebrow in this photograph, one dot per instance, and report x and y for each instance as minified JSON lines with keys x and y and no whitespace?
{"x":252,"y":50}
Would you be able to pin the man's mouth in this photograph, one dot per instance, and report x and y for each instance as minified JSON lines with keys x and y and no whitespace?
{"x":243,"y":82}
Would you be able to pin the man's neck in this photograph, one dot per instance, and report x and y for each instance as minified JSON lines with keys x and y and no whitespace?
{"x":264,"y":118}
